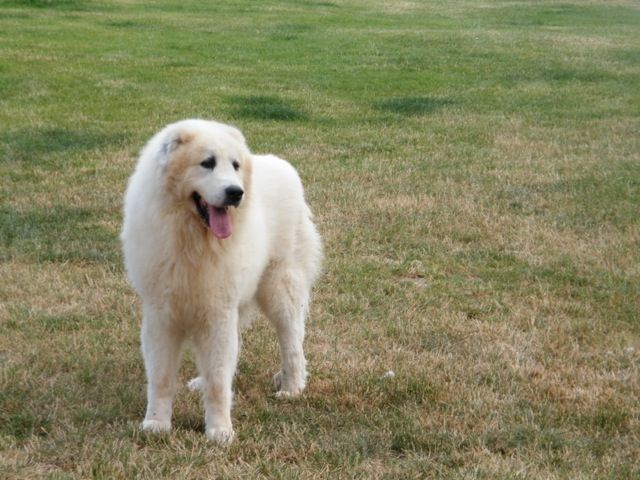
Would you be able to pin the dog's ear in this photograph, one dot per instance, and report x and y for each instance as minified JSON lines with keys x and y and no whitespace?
{"x":236,"y":134}
{"x":172,"y":140}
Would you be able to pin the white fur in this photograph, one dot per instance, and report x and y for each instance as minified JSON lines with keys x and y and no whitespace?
{"x":197,"y":287}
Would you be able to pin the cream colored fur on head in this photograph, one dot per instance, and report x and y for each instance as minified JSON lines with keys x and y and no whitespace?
{"x":210,"y":230}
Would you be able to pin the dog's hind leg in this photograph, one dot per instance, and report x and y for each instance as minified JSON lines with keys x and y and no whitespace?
{"x":161,"y":348}
{"x":284,"y":298}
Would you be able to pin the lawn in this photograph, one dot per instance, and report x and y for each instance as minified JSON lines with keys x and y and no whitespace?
{"x":474,"y":169}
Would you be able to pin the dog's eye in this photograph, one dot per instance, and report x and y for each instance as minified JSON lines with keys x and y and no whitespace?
{"x":236,"y":165}
{"x":209,"y":163}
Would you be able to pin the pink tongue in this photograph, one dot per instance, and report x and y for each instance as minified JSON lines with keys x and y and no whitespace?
{"x":219,"y":221}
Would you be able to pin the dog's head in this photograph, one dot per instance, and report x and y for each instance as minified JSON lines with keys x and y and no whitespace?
{"x":206,"y":168}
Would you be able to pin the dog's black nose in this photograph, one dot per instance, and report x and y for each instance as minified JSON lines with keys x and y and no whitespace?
{"x":233,"y":195}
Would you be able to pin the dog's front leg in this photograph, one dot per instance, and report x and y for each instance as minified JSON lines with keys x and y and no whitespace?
{"x":217,"y":356}
{"x":161,"y":347}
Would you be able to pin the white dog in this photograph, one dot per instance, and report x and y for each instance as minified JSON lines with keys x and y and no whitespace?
{"x":209,"y":230}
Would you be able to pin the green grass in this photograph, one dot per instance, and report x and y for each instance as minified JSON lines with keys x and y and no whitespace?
{"x":474,"y":168}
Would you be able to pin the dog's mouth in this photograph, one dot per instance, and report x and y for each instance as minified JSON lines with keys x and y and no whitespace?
{"x":216,"y":219}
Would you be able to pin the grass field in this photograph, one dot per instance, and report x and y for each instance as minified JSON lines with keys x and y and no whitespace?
{"x":474,"y":168}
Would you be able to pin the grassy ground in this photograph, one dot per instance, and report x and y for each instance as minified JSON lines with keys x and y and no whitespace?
{"x":475,"y":172}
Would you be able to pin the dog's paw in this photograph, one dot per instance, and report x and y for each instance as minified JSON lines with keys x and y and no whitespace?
{"x":286,"y":394}
{"x":221,"y":436}
{"x":195,"y":384}
{"x":287,"y":389}
{"x":155,"y":426}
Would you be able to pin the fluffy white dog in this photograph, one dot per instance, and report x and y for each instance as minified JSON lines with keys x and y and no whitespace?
{"x":209,"y":230}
